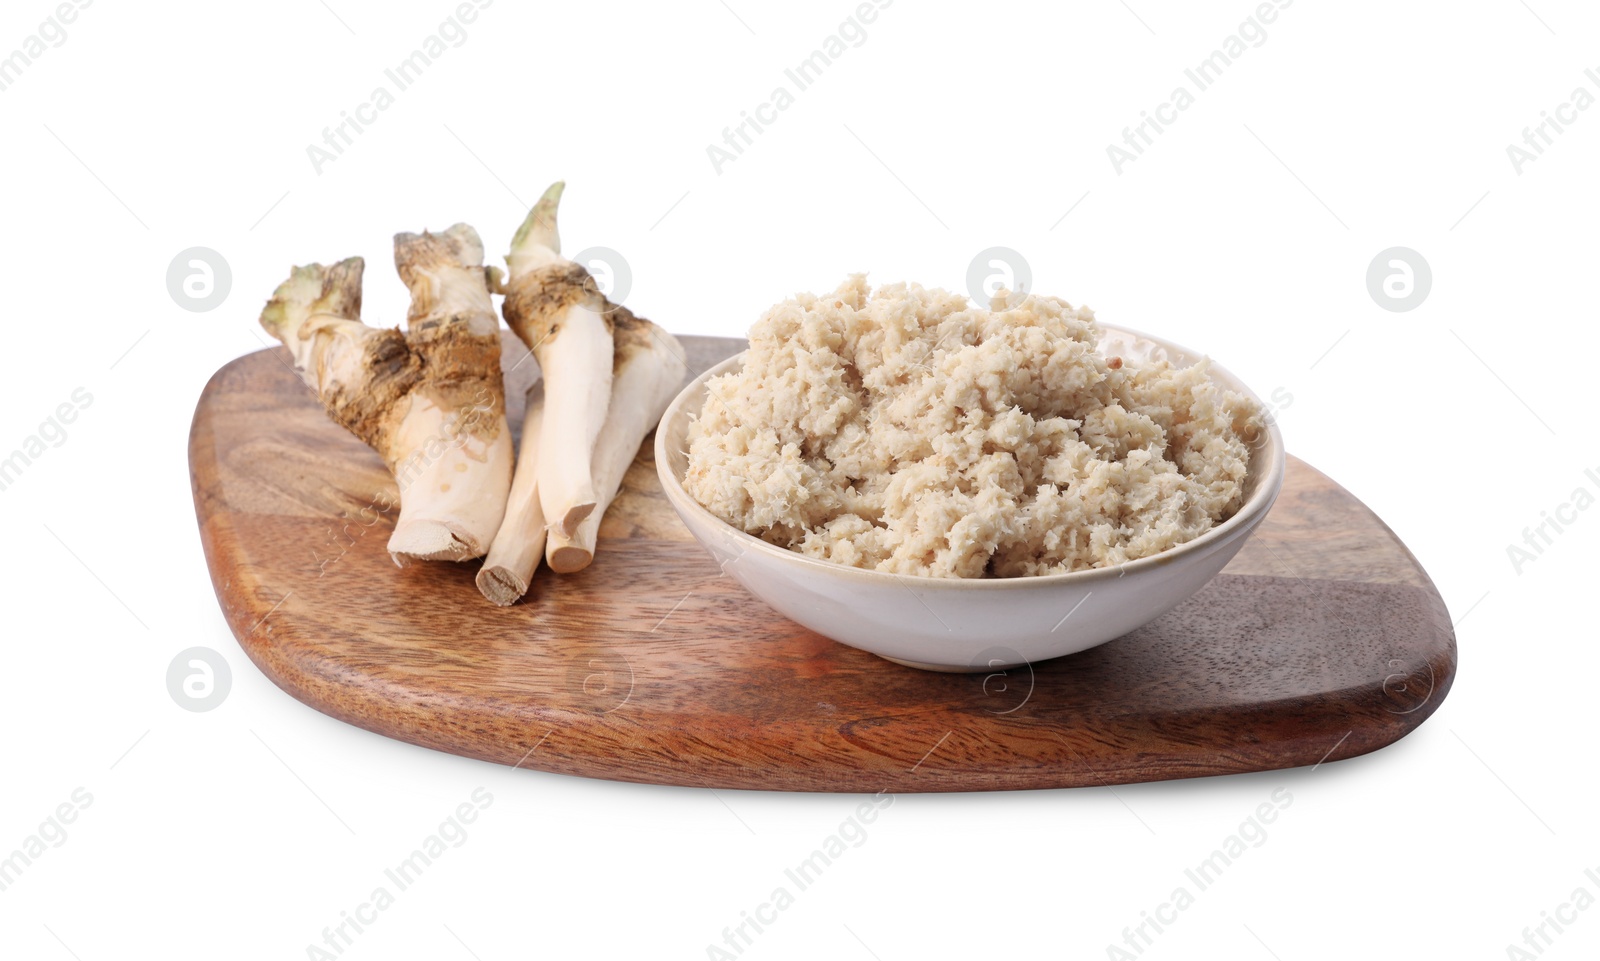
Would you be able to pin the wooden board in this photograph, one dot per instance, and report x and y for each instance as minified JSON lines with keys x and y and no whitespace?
{"x":1322,"y":640}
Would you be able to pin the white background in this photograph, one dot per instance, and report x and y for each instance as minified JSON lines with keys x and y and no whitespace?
{"x":1245,"y":230}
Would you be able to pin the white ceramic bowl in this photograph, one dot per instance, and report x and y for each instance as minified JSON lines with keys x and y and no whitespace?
{"x":956,"y":624}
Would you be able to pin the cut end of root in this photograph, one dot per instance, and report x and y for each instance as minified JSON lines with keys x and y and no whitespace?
{"x":501,"y":586}
{"x":568,"y":525}
{"x":426,"y":540}
{"x":568,"y":558}
{"x":425,"y":255}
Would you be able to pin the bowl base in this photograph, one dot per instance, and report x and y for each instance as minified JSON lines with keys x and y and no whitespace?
{"x":951,"y":668}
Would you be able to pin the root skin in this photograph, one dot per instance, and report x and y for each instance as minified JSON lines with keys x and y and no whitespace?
{"x":555,"y":307}
{"x":519,"y":543}
{"x":649,"y":366}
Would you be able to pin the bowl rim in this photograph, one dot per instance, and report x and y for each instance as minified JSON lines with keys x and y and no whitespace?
{"x":1249,"y":514}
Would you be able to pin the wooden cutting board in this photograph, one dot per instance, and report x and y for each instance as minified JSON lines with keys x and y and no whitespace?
{"x":1324,"y":639}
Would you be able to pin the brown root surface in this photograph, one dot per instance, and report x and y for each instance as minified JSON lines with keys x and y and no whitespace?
{"x":537,"y":301}
{"x":372,"y":408}
{"x":461,"y":372}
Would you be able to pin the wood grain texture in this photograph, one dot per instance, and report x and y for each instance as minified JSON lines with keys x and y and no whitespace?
{"x":1322,"y":640}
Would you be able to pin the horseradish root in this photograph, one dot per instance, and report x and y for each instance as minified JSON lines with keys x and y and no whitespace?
{"x":459,"y":465}
{"x":555,"y":307}
{"x":647,"y":368}
{"x":429,"y":403}
{"x":519,"y":544}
